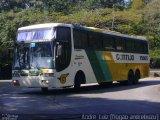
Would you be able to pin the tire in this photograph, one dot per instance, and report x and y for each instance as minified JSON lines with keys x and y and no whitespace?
{"x":137,"y":77}
{"x":44,"y":89}
{"x":79,"y":79}
{"x":130,"y":80}
{"x":77,"y":85}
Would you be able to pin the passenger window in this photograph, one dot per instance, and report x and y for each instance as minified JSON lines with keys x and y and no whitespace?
{"x":95,"y":41}
{"x":120,"y":44}
{"x":145,"y":47}
{"x":139,"y":46}
{"x":80,"y":39}
{"x":129,"y":45}
{"x":108,"y":43}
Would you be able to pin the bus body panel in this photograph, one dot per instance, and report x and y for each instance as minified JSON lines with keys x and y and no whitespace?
{"x":82,"y":63}
{"x":107,"y":69}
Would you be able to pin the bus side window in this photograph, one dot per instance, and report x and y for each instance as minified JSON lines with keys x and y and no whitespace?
{"x":139,"y":48}
{"x":95,"y":40}
{"x":80,"y":39}
{"x":145,"y":44}
{"x":120,"y":44}
{"x":108,"y":42}
{"x":129,"y":45}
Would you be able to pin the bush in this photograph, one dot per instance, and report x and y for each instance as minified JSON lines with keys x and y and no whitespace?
{"x":155,"y":63}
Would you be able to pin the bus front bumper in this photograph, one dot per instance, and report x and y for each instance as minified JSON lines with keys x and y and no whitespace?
{"x":35,"y":81}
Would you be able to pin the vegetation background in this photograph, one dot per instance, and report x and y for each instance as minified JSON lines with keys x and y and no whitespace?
{"x":133,"y":17}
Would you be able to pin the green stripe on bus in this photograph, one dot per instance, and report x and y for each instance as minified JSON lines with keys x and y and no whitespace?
{"x":104,"y":66}
{"x":95,"y":65}
{"x":99,"y":66}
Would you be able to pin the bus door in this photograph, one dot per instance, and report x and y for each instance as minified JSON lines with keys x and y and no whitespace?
{"x":63,"y":48}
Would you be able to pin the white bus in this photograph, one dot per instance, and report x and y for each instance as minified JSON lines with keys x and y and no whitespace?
{"x":55,"y":55}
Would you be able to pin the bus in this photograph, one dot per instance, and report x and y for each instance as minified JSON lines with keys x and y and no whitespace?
{"x":58,"y":55}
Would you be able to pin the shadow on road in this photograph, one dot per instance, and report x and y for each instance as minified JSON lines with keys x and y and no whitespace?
{"x":73,"y":105}
{"x":93,"y":89}
{"x":63,"y":102}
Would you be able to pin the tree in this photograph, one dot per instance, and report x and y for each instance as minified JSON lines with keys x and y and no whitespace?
{"x":137,"y":4}
{"x":6,"y":5}
{"x":152,"y":23}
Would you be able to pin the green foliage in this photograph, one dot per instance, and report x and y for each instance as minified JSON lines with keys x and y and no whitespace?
{"x":152,"y":23}
{"x":124,"y":21}
{"x":141,"y":18}
{"x":137,"y":4}
{"x":155,"y":58}
{"x":155,"y":53}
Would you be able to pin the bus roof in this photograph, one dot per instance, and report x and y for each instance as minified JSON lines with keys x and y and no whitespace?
{"x":109,"y":32}
{"x":45,"y":25}
{"x":51,"y":25}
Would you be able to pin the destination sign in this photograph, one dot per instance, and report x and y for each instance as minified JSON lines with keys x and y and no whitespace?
{"x":35,"y":35}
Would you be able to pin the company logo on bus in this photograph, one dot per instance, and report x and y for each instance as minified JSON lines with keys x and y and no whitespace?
{"x":124,"y":57}
{"x":130,"y":58}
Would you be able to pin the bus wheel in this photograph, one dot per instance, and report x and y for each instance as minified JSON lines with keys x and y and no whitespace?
{"x":137,"y":76}
{"x":130,"y":78}
{"x":79,"y":79}
{"x":77,"y":85}
{"x":44,"y":89}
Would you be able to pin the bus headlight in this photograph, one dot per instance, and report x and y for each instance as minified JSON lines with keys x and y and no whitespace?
{"x":15,"y":82}
{"x":45,"y":81}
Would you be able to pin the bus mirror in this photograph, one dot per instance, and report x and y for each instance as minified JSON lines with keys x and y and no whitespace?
{"x":59,"y":50}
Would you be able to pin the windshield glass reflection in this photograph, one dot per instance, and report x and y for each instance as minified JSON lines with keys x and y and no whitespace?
{"x":34,"y":55}
{"x":41,"y":55}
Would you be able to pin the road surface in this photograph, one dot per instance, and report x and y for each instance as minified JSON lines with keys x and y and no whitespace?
{"x":90,"y":102}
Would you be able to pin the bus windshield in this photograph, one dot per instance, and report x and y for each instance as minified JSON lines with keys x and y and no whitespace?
{"x":41,"y":55}
{"x":37,"y":55}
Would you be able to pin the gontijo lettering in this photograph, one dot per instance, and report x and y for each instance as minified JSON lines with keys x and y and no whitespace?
{"x":124,"y":57}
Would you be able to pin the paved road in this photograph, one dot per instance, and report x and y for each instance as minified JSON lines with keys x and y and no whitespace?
{"x":143,"y":98}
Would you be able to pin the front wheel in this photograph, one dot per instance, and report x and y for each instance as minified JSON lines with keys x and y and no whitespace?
{"x":79,"y":79}
{"x":77,"y":83}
